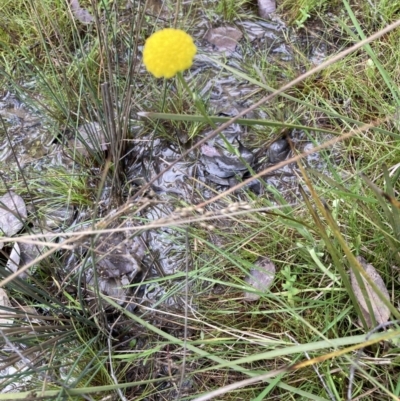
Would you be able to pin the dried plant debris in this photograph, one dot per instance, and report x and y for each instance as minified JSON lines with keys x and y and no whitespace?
{"x":266,"y":7}
{"x":118,"y":261}
{"x":90,"y":136}
{"x":381,"y":311}
{"x":157,"y":8}
{"x":224,"y":39}
{"x":23,"y":254}
{"x":260,"y":278}
{"x":14,"y":259}
{"x":118,"y":255}
{"x":222,"y":168}
{"x":12,"y":214}
{"x":81,"y":14}
{"x":278,"y":151}
{"x":5,"y":304}
{"x":59,"y":216}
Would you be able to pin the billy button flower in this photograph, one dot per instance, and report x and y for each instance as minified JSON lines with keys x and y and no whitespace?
{"x":168,"y":52}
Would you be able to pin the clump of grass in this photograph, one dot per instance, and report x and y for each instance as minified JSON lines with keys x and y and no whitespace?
{"x":299,"y":13}
{"x":231,"y":10}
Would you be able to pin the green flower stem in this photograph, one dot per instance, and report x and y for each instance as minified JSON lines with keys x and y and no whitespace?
{"x":197,"y":101}
{"x":200,"y":106}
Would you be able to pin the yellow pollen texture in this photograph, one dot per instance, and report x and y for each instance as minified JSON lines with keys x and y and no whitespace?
{"x":168,"y":52}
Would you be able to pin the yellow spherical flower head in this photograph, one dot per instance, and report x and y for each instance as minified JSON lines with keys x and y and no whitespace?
{"x":168,"y":51}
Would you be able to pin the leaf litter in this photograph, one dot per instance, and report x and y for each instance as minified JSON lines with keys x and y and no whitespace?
{"x":380,"y":310}
{"x":12,"y":214}
{"x":5,"y":303}
{"x":266,"y":7}
{"x":224,"y":38}
{"x":81,"y":14}
{"x":260,"y":278}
